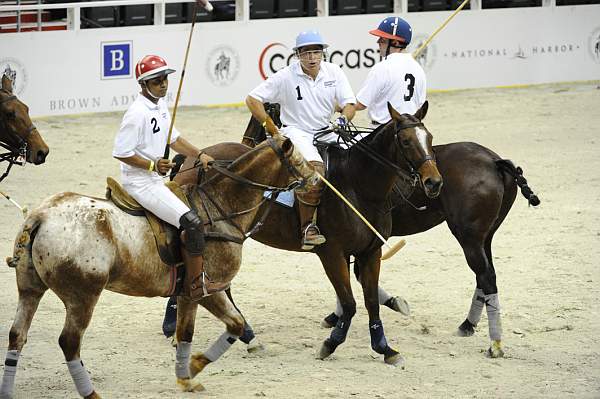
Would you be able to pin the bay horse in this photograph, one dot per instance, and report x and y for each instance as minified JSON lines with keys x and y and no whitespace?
{"x":18,"y":135}
{"x":365,"y":173}
{"x":78,"y":246}
{"x":479,"y":190}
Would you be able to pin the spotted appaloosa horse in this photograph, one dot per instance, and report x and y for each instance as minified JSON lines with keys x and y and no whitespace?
{"x":79,"y":246}
{"x":480,"y":188}
{"x":18,"y":134}
{"x":365,"y":174}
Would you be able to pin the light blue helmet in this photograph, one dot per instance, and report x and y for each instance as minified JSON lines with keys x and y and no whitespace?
{"x":309,"y":37}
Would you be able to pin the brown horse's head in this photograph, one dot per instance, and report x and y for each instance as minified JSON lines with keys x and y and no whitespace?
{"x":17,"y":131}
{"x":415,"y":142}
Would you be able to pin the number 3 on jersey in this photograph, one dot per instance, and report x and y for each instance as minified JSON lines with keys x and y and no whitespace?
{"x":155,"y":127}
{"x":410,"y":87}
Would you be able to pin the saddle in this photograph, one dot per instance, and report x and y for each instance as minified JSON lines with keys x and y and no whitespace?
{"x":166,"y":236}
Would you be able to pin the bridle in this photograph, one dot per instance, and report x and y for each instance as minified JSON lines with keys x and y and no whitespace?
{"x":16,"y":151}
{"x":412,"y":177}
{"x":274,"y":191}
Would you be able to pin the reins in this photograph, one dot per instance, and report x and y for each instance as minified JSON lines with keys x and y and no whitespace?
{"x":225,"y":171}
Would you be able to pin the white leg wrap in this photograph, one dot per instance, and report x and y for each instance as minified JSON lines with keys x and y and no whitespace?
{"x":492,"y":306}
{"x":182,"y":359}
{"x":476,"y":306}
{"x":81,"y":377}
{"x":10,"y":371}
{"x":339,"y":311}
{"x":382,"y":295}
{"x":221,"y":345}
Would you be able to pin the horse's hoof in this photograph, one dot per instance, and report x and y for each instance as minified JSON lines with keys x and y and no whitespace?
{"x":398,"y":304}
{"x":323,"y":352}
{"x":330,"y":321}
{"x":197,"y":363}
{"x":93,"y":395}
{"x":395,"y":360}
{"x":189,"y":385}
{"x":495,"y":350}
{"x":174,"y":342}
{"x":466,"y":329}
{"x":255,"y":346}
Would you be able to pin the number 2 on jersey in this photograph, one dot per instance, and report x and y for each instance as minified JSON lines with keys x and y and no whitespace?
{"x":298,"y":91}
{"x":411,"y":86}
{"x":155,"y":128}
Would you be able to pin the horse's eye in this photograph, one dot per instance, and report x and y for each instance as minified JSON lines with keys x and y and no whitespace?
{"x":11,"y":115}
{"x":405,"y":142}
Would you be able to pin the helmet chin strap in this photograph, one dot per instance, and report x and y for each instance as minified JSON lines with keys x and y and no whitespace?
{"x":144,"y":83}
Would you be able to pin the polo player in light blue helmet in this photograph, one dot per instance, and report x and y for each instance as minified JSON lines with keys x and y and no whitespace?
{"x":309,"y":92}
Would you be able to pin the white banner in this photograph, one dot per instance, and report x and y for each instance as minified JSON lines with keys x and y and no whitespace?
{"x":68,"y":72}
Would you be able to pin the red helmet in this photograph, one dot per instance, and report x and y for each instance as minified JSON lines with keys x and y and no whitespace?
{"x":150,"y":67}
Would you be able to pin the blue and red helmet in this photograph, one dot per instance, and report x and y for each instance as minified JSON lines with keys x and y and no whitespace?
{"x":394,"y":28}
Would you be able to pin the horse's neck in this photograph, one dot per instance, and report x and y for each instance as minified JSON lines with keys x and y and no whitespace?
{"x":232,"y":196}
{"x":370,"y":177}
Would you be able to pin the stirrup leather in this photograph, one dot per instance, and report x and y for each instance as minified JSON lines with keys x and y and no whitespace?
{"x":208,"y":286}
{"x":315,"y":239}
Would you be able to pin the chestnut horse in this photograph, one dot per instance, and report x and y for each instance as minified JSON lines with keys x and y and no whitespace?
{"x":480,"y":188}
{"x":79,"y":246}
{"x":17,"y":134}
{"x":365,"y":174}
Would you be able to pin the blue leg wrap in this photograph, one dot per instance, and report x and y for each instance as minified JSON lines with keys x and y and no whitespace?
{"x":339,"y":333}
{"x":248,"y":334}
{"x":378,"y":341}
{"x":170,"y":320}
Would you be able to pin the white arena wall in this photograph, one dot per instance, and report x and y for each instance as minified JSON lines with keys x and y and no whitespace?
{"x":80,"y":71}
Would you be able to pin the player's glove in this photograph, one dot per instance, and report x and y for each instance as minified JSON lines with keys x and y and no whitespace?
{"x":340,"y":124}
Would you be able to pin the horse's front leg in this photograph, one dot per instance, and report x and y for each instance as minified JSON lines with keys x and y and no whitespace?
{"x":248,"y":337}
{"x":186,"y":317}
{"x":370,"y":280}
{"x":219,"y":305}
{"x":336,"y":268}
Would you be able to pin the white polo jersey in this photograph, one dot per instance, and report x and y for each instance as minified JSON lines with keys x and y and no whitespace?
{"x":399,"y":80}
{"x":306,"y":104}
{"x":143,"y":132}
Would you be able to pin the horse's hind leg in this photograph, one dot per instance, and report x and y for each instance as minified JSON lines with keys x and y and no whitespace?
{"x":219,"y":305}
{"x":31,"y":290}
{"x":79,"y":307}
{"x":477,"y":251}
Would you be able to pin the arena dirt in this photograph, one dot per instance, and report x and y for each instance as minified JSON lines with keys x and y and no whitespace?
{"x":546,"y":261}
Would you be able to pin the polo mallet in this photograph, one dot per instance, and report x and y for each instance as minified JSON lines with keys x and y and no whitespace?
{"x":430,"y":38}
{"x":23,"y":209}
{"x":208,"y":7}
{"x":392,"y":249}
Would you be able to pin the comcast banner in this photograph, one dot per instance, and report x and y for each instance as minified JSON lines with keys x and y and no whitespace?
{"x":67,"y":72}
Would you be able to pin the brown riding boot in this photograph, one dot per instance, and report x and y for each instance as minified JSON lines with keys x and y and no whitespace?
{"x":307,"y":206}
{"x":197,"y":283}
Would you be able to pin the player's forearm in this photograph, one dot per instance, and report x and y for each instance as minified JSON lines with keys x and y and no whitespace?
{"x":349,"y":111}
{"x":257,"y":109}
{"x":137,"y":161}
{"x":184,"y":147}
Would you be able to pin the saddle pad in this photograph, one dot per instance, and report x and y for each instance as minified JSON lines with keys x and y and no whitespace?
{"x":286,"y":198}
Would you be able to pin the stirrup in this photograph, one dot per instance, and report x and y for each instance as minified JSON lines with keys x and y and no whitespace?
{"x":314,"y":240}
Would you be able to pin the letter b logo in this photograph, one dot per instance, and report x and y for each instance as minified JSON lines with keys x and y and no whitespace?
{"x":116,"y":60}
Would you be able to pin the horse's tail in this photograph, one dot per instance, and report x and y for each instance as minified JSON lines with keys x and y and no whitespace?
{"x":516,"y":172}
{"x":24,"y":241}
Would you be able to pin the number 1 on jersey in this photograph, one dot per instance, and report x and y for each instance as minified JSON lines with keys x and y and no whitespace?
{"x":298,"y":91}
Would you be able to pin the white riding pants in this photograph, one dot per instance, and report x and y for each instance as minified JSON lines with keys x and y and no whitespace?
{"x":303,"y":141}
{"x":150,"y":191}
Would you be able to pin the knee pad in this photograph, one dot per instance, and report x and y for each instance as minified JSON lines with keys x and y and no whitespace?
{"x":194,"y":232}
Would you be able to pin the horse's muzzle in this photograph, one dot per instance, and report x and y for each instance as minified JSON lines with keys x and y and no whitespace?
{"x":431,"y":179}
{"x":37,"y":157}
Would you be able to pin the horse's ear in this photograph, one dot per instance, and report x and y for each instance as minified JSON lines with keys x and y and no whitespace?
{"x":7,"y":83}
{"x":393,"y":113}
{"x":420,"y":114}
